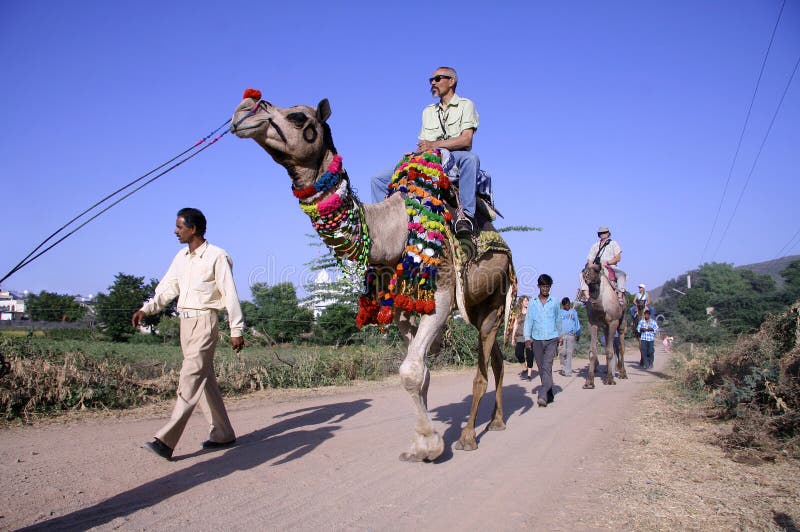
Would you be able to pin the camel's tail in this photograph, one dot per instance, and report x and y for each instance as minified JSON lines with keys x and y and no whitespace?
{"x":511,"y":297}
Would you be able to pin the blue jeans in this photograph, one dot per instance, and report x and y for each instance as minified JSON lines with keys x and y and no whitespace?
{"x":648,"y":351}
{"x":468,"y":167}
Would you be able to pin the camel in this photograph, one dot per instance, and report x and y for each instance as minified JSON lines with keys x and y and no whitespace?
{"x":299,"y":139}
{"x":604,"y":310}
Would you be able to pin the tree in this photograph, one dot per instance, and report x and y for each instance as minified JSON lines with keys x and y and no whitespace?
{"x":49,"y":306}
{"x":336,"y":324}
{"x":343,"y":289}
{"x":792,"y":277}
{"x":125,"y":296}
{"x":276,"y":311}
{"x":740,"y":298}
{"x":693,"y":305}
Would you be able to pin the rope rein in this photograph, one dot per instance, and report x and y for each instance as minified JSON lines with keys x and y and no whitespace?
{"x":192,"y":151}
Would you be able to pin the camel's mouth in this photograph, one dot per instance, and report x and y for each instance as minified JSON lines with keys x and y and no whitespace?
{"x":249,"y":118}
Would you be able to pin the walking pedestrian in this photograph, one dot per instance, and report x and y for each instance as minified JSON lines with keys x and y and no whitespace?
{"x":648,"y":328}
{"x":570,"y":333}
{"x":524,"y":355}
{"x":542,"y":331}
{"x":200,"y":277}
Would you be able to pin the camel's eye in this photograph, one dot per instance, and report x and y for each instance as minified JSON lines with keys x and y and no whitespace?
{"x":298,"y":119}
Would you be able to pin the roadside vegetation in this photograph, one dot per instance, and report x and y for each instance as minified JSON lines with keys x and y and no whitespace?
{"x":739,"y":361}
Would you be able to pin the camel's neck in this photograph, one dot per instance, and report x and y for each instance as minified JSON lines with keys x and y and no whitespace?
{"x":373,"y":233}
{"x":335,"y":211}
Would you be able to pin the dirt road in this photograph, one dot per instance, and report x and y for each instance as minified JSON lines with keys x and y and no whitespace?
{"x":330,"y":461}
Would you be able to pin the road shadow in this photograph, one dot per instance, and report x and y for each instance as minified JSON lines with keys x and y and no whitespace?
{"x":288,"y":440}
{"x":515,"y":399}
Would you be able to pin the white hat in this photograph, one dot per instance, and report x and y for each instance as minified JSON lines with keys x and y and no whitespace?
{"x":642,"y":286}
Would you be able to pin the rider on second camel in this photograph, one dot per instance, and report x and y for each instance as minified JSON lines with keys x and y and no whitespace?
{"x":449,"y":124}
{"x":606,"y":253}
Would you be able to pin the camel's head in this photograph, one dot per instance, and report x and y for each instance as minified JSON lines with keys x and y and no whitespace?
{"x":591,"y":274}
{"x":296,"y":137}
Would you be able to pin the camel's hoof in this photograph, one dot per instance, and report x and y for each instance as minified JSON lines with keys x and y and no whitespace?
{"x":588,"y":386}
{"x":496,"y":425}
{"x":425,"y":448}
{"x":623,"y":375}
{"x":466,"y":443}
{"x":608,"y":382}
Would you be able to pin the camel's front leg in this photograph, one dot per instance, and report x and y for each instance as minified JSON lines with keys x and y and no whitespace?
{"x":610,"y":332}
{"x":428,"y":444}
{"x":589,"y":384}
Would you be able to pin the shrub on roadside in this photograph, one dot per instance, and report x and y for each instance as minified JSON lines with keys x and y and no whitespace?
{"x":756,"y":383}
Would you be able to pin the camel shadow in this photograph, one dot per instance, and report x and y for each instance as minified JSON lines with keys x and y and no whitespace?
{"x":279,"y":440}
{"x":454,"y":415}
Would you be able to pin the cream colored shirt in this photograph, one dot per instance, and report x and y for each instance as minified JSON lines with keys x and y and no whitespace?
{"x":201,"y":280}
{"x":459,"y":114}
{"x":609,"y":252}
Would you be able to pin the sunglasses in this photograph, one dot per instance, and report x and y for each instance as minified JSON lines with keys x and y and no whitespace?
{"x":438,"y":78}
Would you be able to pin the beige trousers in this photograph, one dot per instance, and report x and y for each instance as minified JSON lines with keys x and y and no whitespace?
{"x":197,"y":383}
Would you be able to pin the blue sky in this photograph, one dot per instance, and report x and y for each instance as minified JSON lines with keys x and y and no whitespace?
{"x":618,"y":113}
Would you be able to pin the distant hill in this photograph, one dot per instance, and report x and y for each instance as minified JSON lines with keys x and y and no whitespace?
{"x":773,"y":268}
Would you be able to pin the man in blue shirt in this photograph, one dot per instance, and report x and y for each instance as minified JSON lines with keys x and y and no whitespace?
{"x":647,"y":339}
{"x":542,"y":330}
{"x":570,"y":332}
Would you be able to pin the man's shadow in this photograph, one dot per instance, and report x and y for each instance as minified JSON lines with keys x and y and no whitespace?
{"x":282,"y":439}
{"x":515,"y":398}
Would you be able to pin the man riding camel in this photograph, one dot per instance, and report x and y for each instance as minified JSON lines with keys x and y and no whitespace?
{"x":451,"y":124}
{"x":606,"y":253}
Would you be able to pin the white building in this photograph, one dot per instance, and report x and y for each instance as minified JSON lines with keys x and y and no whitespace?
{"x":12,"y":306}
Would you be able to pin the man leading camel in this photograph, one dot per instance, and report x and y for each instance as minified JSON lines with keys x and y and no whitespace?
{"x":200,"y":277}
{"x":449,"y":124}
{"x":606,"y":253}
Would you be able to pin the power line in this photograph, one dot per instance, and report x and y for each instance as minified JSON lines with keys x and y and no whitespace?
{"x":760,"y":148}
{"x":788,"y":246}
{"x":741,"y":135}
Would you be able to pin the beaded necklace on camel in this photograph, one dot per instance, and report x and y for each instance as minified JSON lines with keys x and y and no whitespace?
{"x":337,"y":216}
{"x":420,"y":179}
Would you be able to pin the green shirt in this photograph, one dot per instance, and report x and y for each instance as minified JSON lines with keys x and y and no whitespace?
{"x":445,"y":123}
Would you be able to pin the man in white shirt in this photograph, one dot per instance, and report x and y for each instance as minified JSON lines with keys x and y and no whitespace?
{"x":606,"y":253}
{"x":200,"y":277}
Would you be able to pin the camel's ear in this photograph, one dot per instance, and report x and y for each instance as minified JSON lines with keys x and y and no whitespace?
{"x":323,"y":110}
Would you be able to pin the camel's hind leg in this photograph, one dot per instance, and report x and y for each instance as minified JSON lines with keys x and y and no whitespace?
{"x":589,"y":384}
{"x":487,"y":347}
{"x":427,"y":444}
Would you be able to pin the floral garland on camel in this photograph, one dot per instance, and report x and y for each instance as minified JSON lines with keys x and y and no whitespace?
{"x":420,"y":179}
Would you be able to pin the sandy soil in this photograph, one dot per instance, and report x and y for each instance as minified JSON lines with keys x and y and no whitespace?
{"x":328,"y":459}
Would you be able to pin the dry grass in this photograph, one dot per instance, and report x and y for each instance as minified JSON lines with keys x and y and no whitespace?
{"x":674,"y":475}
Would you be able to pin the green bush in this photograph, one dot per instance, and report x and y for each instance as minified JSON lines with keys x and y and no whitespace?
{"x":459,"y":346}
{"x":73,"y":334}
{"x":145,"y":339}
